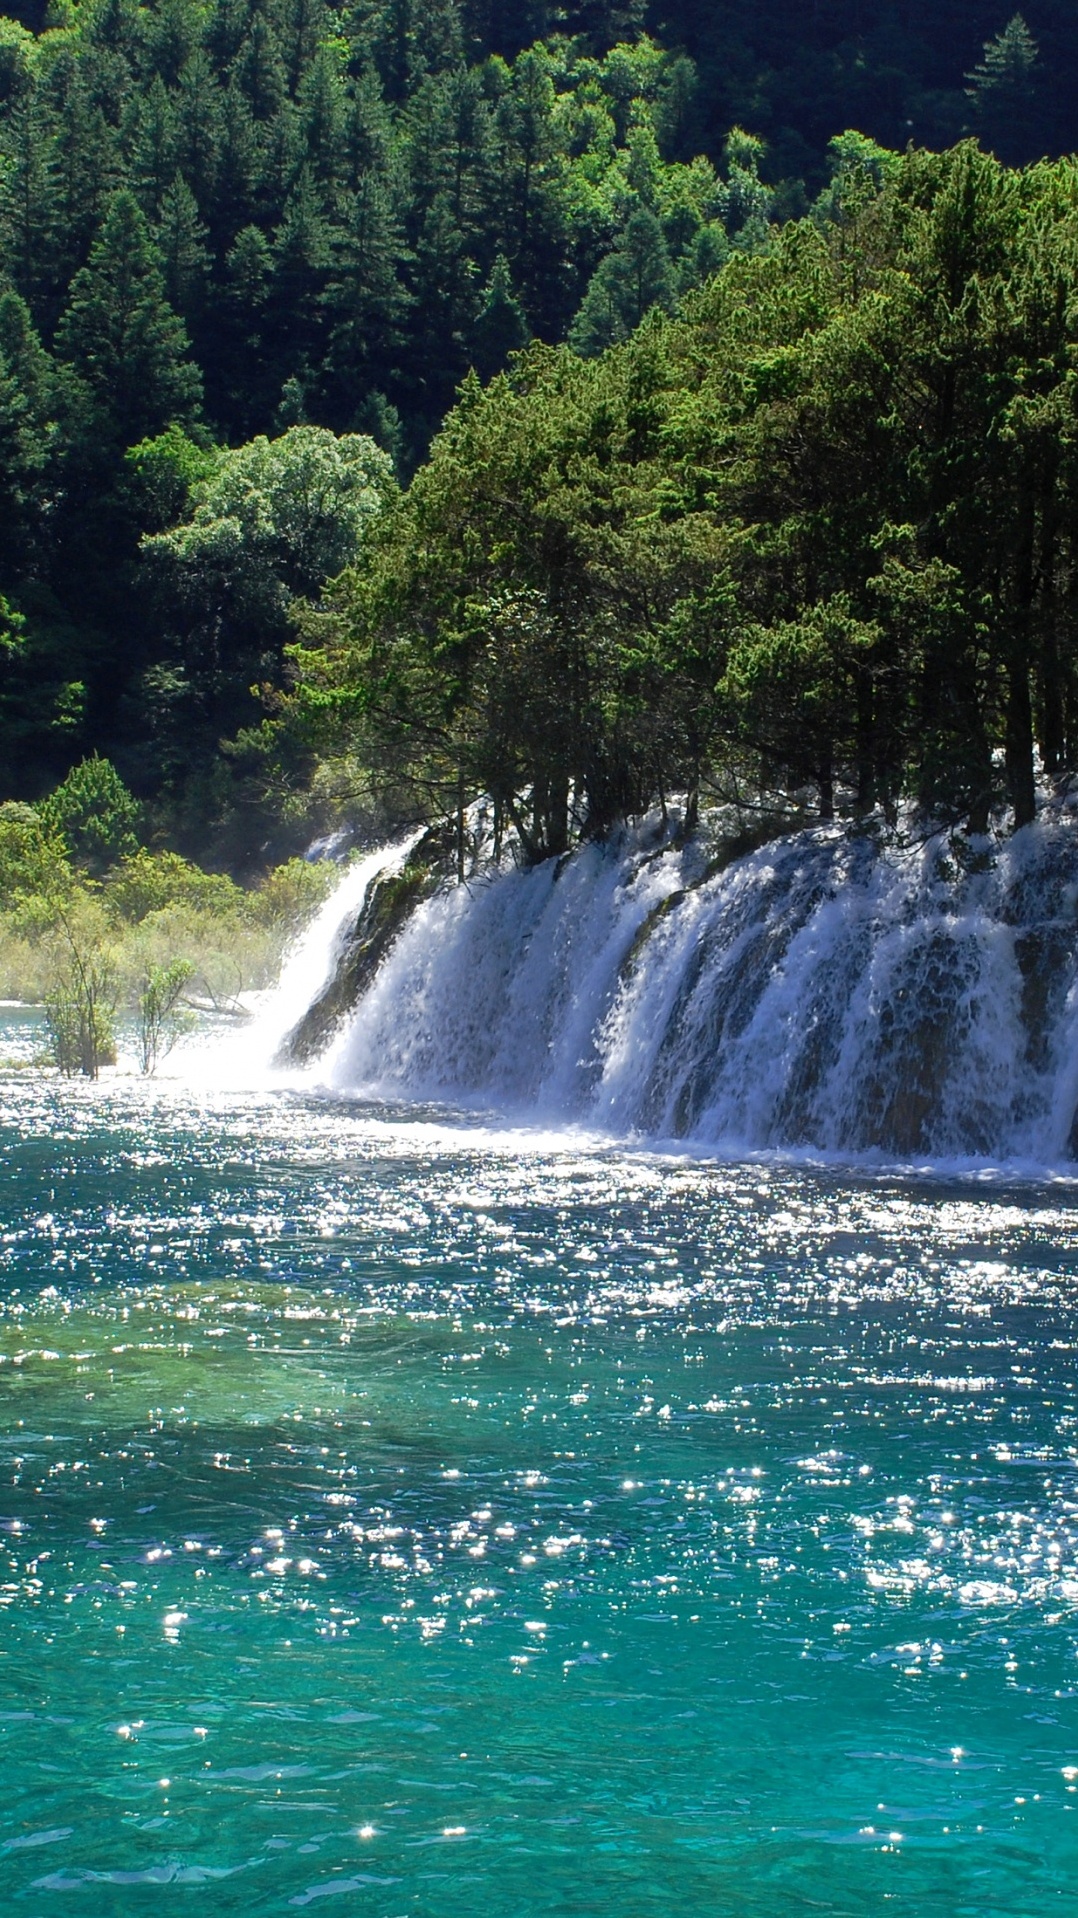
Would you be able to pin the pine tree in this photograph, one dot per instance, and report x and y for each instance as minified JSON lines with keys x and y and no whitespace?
{"x":302,"y":254}
{"x":240,"y":389}
{"x":259,"y":69}
{"x":181,"y":240}
{"x":86,"y":168}
{"x":197,"y":120}
{"x":153,"y":160}
{"x":24,"y":396}
{"x":120,"y":334}
{"x":234,"y":201}
{"x":1003,"y":93}
{"x":501,"y":327}
{"x":322,"y":112}
{"x":626,"y":285}
{"x":366,"y":299}
{"x":28,"y":204}
{"x":174,"y":32}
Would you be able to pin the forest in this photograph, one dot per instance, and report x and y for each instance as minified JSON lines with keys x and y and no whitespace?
{"x":659,"y":435}
{"x":811,"y":539}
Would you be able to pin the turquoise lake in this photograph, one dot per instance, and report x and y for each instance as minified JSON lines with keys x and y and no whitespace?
{"x":450,"y":1521}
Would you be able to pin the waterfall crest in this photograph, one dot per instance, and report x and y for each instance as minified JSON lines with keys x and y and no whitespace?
{"x":823,"y":992}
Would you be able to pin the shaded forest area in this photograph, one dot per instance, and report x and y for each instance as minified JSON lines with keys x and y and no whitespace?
{"x":249,"y":249}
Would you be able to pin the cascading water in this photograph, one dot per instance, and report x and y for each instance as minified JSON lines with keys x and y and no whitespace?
{"x":822,"y":992}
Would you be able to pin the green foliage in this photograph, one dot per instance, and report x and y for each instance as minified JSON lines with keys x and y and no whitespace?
{"x":145,"y":882}
{"x":290,"y":894}
{"x":164,"y":471}
{"x":1003,"y":93}
{"x":94,"y":815}
{"x":33,"y":857}
{"x":160,"y":1018}
{"x":217,"y":224}
{"x":814,"y":537}
{"x":274,"y":519}
{"x":128,"y":960}
{"x":121,"y":336}
{"x":83,"y":988}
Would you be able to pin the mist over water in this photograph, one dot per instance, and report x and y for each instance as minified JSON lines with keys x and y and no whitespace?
{"x":434,"y":1512}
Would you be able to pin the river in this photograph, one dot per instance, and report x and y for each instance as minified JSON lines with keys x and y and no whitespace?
{"x":444,"y":1517}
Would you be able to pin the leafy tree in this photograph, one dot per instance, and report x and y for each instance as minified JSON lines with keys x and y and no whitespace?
{"x":160,"y":1016}
{"x":275,"y":518}
{"x":84,"y":986}
{"x":33,"y":857}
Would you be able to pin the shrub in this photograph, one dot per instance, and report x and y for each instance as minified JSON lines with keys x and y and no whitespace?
{"x":32,"y":856}
{"x":83,"y":988}
{"x":146,"y":882}
{"x":291,"y":893}
{"x":160,"y":1017}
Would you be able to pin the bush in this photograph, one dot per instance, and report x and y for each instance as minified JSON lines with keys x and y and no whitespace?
{"x":32,"y":856}
{"x":83,"y":988}
{"x":160,"y":1017}
{"x":146,"y":882}
{"x":291,"y":893}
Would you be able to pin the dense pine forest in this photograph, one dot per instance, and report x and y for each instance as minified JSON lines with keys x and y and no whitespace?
{"x":775,"y":496}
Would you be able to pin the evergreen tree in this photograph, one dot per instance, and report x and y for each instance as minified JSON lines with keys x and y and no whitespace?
{"x":259,"y":69}
{"x":234,"y":201}
{"x":321,"y":118}
{"x":501,"y":326}
{"x":181,"y":241}
{"x":28,"y":203}
{"x":120,"y":334}
{"x":174,"y":31}
{"x":153,"y":161}
{"x":366,"y":300}
{"x":626,"y":285}
{"x":85,"y":168}
{"x":295,"y":322}
{"x":1003,"y":94}
{"x":197,"y":120}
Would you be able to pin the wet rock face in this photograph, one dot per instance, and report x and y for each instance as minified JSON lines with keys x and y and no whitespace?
{"x":385,"y":912}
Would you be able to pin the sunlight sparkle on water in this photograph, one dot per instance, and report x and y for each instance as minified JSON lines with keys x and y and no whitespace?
{"x":519,"y":1511}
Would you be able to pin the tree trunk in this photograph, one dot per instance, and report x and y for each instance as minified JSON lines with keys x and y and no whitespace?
{"x":825,"y":780}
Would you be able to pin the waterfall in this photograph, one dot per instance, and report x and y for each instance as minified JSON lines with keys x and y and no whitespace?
{"x":824,"y":992}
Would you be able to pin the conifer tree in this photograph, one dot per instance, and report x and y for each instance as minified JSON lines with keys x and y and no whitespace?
{"x":501,"y":326}
{"x":120,"y":334}
{"x":153,"y":161}
{"x":259,"y":69}
{"x":626,"y":285}
{"x":28,"y":203}
{"x":181,"y":240}
{"x":366,"y":299}
{"x":1003,"y":90}
{"x":197,"y":117}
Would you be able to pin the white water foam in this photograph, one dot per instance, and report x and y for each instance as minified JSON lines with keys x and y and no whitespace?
{"x":819,"y":994}
{"x":248,"y":1053}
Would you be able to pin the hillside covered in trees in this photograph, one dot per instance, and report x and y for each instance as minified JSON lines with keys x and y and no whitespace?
{"x":250,"y":249}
